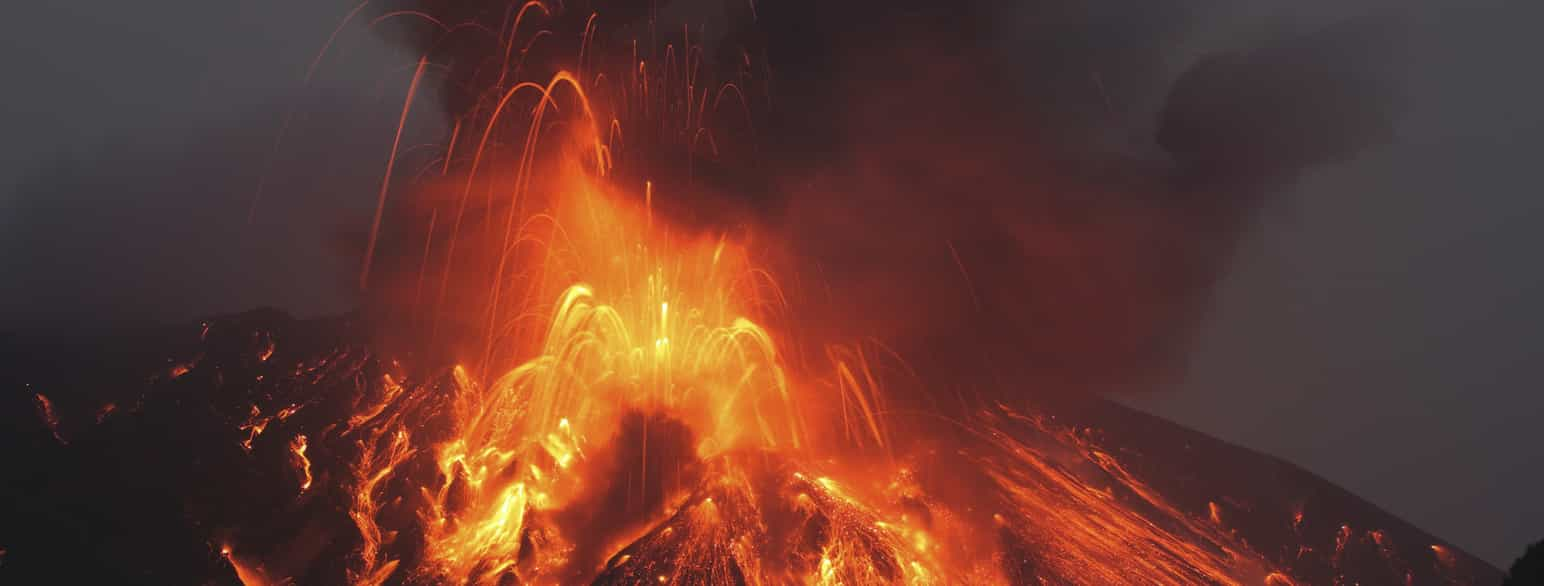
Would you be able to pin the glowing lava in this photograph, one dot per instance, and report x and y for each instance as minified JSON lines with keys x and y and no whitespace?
{"x":632,"y":405}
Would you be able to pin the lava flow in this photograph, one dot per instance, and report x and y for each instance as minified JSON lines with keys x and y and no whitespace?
{"x":630,"y":398}
{"x":649,"y":428}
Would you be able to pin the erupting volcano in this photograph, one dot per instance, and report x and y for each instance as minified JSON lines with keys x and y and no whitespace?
{"x":580,"y":361}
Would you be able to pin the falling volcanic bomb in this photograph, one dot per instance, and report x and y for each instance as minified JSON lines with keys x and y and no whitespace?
{"x":580,"y":361}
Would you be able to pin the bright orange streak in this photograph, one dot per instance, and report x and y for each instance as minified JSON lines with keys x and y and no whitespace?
{"x":969,"y":284}
{"x":514,"y":28}
{"x":46,"y":412}
{"x":1095,"y":539}
{"x":302,"y":464}
{"x":317,"y":61}
{"x":248,"y":573}
{"x":466,"y":193}
{"x":423,"y":264}
{"x":106,"y":410}
{"x":391,"y":161}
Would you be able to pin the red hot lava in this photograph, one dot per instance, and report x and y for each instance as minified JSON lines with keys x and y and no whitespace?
{"x":634,"y":399}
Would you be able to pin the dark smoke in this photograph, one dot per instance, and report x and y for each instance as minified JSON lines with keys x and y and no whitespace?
{"x":1030,"y":185}
{"x":651,"y":457}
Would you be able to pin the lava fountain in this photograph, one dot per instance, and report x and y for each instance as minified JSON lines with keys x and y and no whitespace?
{"x":643,"y":396}
{"x":631,"y":397}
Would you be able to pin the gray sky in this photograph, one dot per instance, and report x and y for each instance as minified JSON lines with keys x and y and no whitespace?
{"x":136,"y":136}
{"x":1379,"y":327}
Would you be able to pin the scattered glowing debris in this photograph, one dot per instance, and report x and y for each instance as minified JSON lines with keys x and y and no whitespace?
{"x":1279,"y":579}
{"x":248,"y":573}
{"x":1445,"y":556}
{"x":105,"y":410}
{"x":45,"y":409}
{"x":265,"y":347}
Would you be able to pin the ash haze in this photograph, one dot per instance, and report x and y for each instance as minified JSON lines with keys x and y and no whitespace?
{"x":1380,"y":327}
{"x":137,"y":134}
{"x":1376,"y":326}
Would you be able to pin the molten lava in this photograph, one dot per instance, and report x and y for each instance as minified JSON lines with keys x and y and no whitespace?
{"x":634,"y":401}
{"x":661,"y":423}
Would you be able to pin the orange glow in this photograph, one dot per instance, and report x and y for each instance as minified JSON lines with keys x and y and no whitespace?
{"x":640,"y":324}
{"x":302,"y":464}
{"x":651,"y":327}
{"x":254,"y":426}
{"x":634,"y":404}
{"x":46,"y":412}
{"x":1445,"y":558}
{"x":249,"y":573}
{"x":1099,"y":539}
{"x":674,"y":340}
{"x":265,"y":350}
{"x":105,"y":410}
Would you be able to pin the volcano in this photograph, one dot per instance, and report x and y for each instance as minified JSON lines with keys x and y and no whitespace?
{"x":234,"y":451}
{"x":797,"y":313}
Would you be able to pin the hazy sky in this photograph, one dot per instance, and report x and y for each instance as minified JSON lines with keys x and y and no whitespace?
{"x":1382,"y":326}
{"x":137,"y":134}
{"x":1379,"y":327}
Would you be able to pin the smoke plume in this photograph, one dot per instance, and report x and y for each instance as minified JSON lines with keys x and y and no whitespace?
{"x":1050,"y":189}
